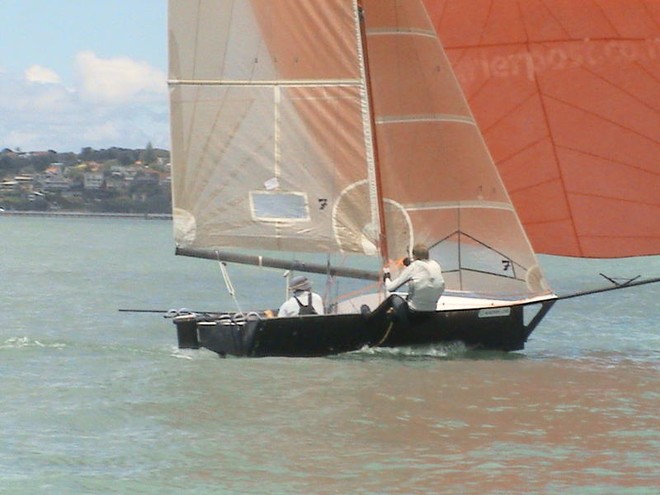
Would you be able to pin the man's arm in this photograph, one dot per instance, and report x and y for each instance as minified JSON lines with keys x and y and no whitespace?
{"x":404,"y":277}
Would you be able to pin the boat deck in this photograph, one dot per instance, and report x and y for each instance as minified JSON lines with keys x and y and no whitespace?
{"x":450,"y":301}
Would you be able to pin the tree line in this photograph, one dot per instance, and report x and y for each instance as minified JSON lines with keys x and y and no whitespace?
{"x":13,"y":162}
{"x":140,"y":193}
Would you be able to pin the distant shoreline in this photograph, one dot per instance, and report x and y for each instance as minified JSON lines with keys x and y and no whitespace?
{"x":86,"y":214}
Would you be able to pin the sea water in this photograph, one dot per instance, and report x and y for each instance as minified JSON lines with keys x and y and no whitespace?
{"x":97,"y":401}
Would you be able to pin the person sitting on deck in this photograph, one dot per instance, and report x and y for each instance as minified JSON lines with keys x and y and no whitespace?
{"x":303,"y":301}
{"x":424,"y":279}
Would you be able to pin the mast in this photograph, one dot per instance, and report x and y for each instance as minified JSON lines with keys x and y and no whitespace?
{"x":382,"y":237}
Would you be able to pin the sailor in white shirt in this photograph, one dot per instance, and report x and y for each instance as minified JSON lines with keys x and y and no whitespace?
{"x":424,"y":279}
{"x":303,"y":301}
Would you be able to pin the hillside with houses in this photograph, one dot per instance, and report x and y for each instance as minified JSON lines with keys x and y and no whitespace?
{"x":115,"y":180}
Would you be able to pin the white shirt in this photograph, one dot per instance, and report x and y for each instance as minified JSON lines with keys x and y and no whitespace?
{"x":425,"y":284}
{"x":291,"y":307}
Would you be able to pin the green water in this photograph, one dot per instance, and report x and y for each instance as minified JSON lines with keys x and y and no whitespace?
{"x":96,"y":401}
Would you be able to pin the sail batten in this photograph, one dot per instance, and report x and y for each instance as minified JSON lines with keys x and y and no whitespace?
{"x":403,"y":119}
{"x":265,"y":83}
{"x":393,"y":31}
{"x":459,"y":205}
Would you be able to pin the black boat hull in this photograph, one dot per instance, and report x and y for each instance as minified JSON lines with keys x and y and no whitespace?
{"x":498,"y":328}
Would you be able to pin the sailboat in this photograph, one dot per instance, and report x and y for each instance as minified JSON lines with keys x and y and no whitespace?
{"x":339,"y":127}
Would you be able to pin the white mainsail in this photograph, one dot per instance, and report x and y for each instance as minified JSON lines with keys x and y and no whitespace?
{"x":270,"y":125}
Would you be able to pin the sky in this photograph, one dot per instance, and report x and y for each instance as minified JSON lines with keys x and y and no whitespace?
{"x":77,"y":73}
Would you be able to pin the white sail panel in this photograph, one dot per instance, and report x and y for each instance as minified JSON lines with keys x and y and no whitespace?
{"x":435,"y":168}
{"x":262,"y":40}
{"x":268,"y":136}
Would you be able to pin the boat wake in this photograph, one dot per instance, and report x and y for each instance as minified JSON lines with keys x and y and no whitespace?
{"x":25,"y":342}
{"x":443,"y":351}
{"x":177,"y":353}
{"x":451,"y":351}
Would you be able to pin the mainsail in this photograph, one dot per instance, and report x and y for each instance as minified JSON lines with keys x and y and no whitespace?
{"x":269,"y":125}
{"x":272,"y":143}
{"x":568,"y":97}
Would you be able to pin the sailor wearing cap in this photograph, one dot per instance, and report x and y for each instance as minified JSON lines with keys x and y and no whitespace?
{"x":303,"y":301}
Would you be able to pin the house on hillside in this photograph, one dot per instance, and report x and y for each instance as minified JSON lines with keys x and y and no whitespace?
{"x":93,"y":181}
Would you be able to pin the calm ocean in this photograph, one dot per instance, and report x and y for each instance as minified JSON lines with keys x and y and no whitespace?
{"x":97,"y":401}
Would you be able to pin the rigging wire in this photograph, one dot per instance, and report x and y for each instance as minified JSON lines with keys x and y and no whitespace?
{"x":228,"y":284}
